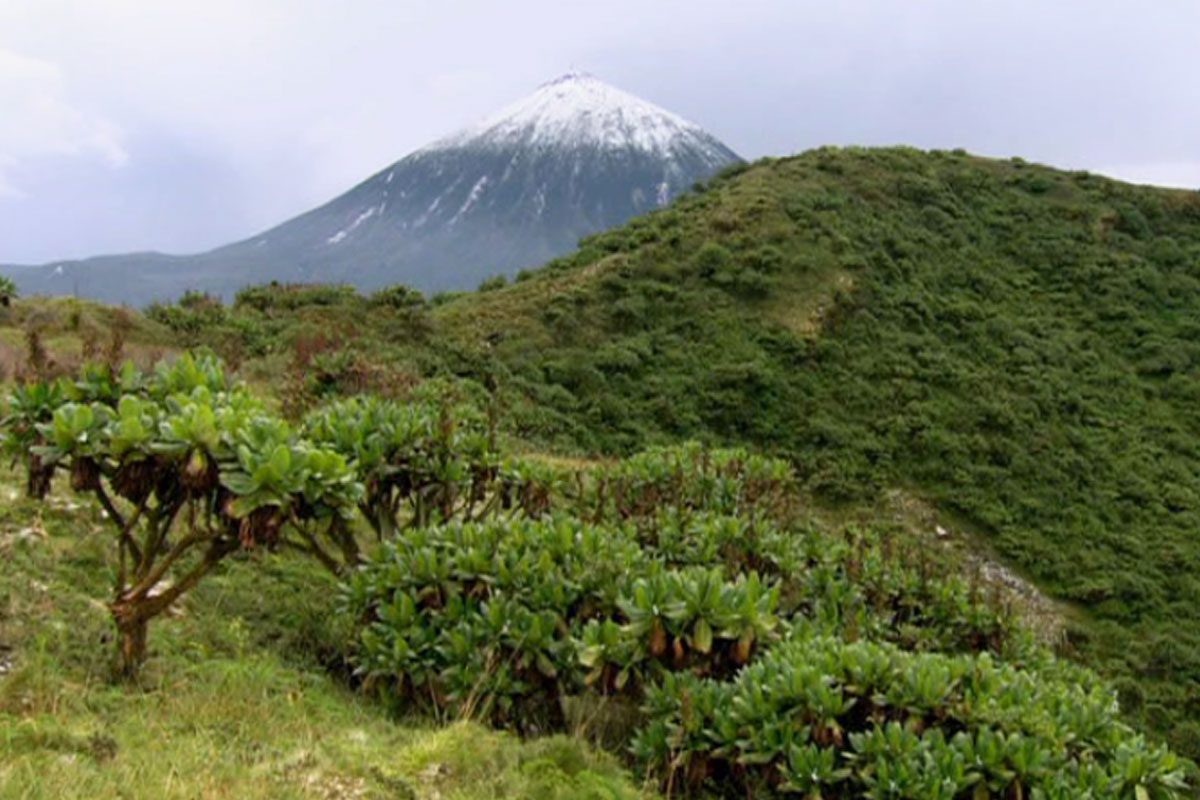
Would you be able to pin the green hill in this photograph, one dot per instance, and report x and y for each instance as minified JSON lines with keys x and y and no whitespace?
{"x":1017,"y":345}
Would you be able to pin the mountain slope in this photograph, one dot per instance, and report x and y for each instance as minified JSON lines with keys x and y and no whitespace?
{"x":1018,"y":344}
{"x":575,"y":157}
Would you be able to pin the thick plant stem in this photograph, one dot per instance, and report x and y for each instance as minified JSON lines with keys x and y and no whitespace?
{"x":38,"y":477}
{"x":131,"y":643}
{"x":134,"y":609}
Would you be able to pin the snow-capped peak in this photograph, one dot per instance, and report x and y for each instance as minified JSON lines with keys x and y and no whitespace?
{"x":578,"y":109}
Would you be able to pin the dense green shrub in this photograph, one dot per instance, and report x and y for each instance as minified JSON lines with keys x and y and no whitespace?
{"x":891,"y":680}
{"x":419,"y":461}
{"x":711,"y":259}
{"x":823,"y":717}
{"x":188,"y":469}
{"x":691,"y":477}
{"x":506,"y":618}
{"x":493,"y":283}
{"x":478,"y":616}
{"x":275,"y":297}
{"x":31,"y":406}
{"x":397,"y":298}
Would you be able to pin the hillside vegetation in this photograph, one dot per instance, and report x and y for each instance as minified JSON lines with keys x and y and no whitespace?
{"x":236,"y":702}
{"x":1014,"y":345}
{"x":1018,"y":344}
{"x":681,"y":607}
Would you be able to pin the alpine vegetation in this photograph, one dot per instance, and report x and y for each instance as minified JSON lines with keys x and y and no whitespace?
{"x":677,"y":496}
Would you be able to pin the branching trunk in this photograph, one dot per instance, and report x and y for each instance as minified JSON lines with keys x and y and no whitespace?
{"x":133,"y":610}
{"x":142,"y":566}
{"x":341,"y":535}
{"x":131,"y":642}
{"x":38,"y":478}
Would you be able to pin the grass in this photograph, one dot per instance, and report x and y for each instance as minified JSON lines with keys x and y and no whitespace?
{"x":233,"y":702}
{"x":67,"y":327}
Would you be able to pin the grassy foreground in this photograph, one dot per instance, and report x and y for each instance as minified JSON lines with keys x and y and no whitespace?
{"x":230,"y":705}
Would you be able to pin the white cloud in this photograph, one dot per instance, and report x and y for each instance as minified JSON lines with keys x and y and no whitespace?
{"x":7,"y":187}
{"x":40,"y":121}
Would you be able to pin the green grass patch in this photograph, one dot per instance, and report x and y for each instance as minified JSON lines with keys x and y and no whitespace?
{"x":234,"y":701}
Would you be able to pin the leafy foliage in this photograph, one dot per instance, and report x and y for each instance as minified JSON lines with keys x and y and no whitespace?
{"x":691,"y":477}
{"x":30,"y":407}
{"x":183,"y":450}
{"x":8,"y":291}
{"x":765,"y":656}
{"x":826,"y":718}
{"x":291,"y":296}
{"x":419,"y":461}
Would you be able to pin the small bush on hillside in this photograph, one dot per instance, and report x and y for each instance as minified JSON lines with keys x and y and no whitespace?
{"x":768,"y":259}
{"x":1131,"y":220}
{"x":8,"y":291}
{"x":277,"y":296}
{"x":30,"y":407}
{"x":493,"y":283}
{"x":711,"y":258}
{"x":398,"y":298}
{"x":442,"y":298}
{"x":191,"y":315}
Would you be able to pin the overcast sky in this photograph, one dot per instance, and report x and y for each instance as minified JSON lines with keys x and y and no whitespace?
{"x":178,"y":125}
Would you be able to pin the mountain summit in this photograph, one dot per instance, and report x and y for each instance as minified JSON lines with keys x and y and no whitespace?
{"x":575,"y":157}
{"x":580,"y":110}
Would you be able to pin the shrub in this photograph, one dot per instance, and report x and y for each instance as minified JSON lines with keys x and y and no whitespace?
{"x":685,"y":567}
{"x":398,"y":298}
{"x":194,"y":314}
{"x":765,"y":658}
{"x":691,"y":477}
{"x":420,"y":461}
{"x":711,"y":258}
{"x":29,"y":407}
{"x":829,"y":718}
{"x":493,"y":283}
{"x":8,"y":291}
{"x":507,"y":618}
{"x":277,"y":296}
{"x":188,"y":470}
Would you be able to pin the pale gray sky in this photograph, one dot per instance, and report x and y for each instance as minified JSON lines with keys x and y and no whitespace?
{"x":178,"y":125}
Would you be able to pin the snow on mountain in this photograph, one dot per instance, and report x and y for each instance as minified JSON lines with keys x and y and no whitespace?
{"x":579,"y":110}
{"x":521,"y":187}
